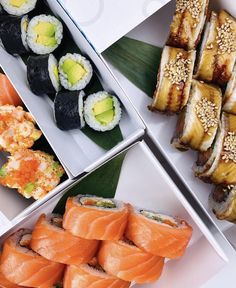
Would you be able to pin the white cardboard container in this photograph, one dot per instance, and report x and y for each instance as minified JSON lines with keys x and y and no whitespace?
{"x":161,"y":127}
{"x":76,"y":151}
{"x":144,"y":183}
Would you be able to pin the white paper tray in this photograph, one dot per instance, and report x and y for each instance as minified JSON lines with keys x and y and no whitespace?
{"x":143,"y":182}
{"x":76,"y":151}
{"x":160,"y":127}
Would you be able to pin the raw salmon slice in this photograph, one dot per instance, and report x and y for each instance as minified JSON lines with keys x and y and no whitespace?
{"x":8,"y":94}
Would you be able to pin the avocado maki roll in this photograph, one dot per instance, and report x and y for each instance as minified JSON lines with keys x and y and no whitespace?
{"x":18,"y":7}
{"x":45,"y":34}
{"x":13,"y":31}
{"x":42,"y":74}
{"x":68,"y":110}
{"x":75,"y":71}
{"x":102,"y":111}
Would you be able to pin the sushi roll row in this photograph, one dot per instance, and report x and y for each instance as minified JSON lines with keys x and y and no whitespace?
{"x":118,"y":244}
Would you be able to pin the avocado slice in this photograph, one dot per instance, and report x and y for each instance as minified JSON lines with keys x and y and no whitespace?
{"x":102,"y":106}
{"x":17,"y":3}
{"x":55,"y":72}
{"x":105,"y":117}
{"x":46,"y":41}
{"x":75,"y":73}
{"x":45,"y":29}
{"x":68,"y":64}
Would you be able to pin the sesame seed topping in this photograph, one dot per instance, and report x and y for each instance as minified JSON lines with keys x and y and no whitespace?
{"x":229,"y":152}
{"x":207,"y":114}
{"x":194,"y":7}
{"x":225,"y":38}
{"x":178,"y":69}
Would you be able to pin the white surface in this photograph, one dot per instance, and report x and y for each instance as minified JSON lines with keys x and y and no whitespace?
{"x":161,"y":127}
{"x":151,"y":188}
{"x":105,"y":21}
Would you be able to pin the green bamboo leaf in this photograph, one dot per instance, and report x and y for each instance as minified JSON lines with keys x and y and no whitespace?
{"x":102,"y":182}
{"x":136,"y":60}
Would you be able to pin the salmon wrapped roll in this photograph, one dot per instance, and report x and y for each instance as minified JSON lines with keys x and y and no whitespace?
{"x":229,"y":100}
{"x":198,"y":122}
{"x":222,"y":201}
{"x":218,"y":50}
{"x":47,"y":236}
{"x":173,"y":80}
{"x":91,"y":275}
{"x":218,"y":164}
{"x":17,"y":129}
{"x":158,"y":234}
{"x":22,"y":266}
{"x":32,"y":173}
{"x":124,"y":260}
{"x":188,"y":22}
{"x":93,"y":217}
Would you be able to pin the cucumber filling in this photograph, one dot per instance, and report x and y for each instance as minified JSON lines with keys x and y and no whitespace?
{"x":97,"y":202}
{"x":159,"y":218}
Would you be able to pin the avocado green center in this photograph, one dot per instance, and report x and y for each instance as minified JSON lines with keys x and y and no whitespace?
{"x":104,"y":111}
{"x":45,"y":34}
{"x":74,"y":71}
{"x":55,"y":72}
{"x":18,"y":3}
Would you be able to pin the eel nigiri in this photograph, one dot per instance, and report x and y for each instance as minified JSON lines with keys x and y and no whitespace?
{"x":173,"y":80}
{"x":47,"y":236}
{"x":8,"y":94}
{"x":188,"y":22}
{"x":229,"y":100}
{"x":158,"y":234}
{"x":93,"y":217}
{"x":126,"y":261}
{"x":91,"y":275}
{"x":198,"y":121}
{"x":22,"y":266}
{"x":218,"y":164}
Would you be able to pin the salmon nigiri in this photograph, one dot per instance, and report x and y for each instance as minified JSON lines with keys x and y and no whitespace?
{"x":158,"y":234}
{"x":22,"y":266}
{"x":93,"y":217}
{"x":51,"y":241}
{"x":91,"y":276}
{"x":8,"y":94}
{"x":126,"y":261}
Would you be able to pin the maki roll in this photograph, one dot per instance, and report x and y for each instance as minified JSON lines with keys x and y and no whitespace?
{"x":22,"y":266}
{"x":218,"y":51}
{"x":75,"y":71}
{"x":218,"y":164}
{"x":229,"y":100}
{"x":68,"y":110}
{"x":158,"y":234}
{"x":42,"y":74}
{"x":173,"y":80}
{"x":32,"y":173}
{"x":198,"y":121}
{"x":44,"y":34}
{"x":222,"y":201}
{"x":188,"y":22}
{"x":93,"y":217}
{"x":102,"y":111}
{"x":13,"y":31}
{"x":18,"y":7}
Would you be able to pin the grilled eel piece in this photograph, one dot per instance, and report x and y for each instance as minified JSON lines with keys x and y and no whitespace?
{"x":173,"y":80}
{"x":198,"y":122}
{"x":222,"y":201}
{"x":218,"y":51}
{"x":188,"y":22}
{"x":229,"y":100}
{"x":218,"y":164}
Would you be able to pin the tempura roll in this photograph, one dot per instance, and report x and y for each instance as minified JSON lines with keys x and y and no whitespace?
{"x":188,"y":22}
{"x":229,"y":100}
{"x":218,"y":164}
{"x":223,"y":202}
{"x":198,"y":122}
{"x":173,"y":80}
{"x":218,"y":52}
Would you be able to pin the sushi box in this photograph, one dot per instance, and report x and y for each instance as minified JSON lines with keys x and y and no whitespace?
{"x":204,"y":264}
{"x":160,"y":128}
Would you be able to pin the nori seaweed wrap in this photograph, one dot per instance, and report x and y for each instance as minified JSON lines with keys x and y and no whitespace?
{"x":68,"y":110}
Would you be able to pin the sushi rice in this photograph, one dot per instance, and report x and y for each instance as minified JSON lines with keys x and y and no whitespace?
{"x":18,"y":8}
{"x":91,"y":119}
{"x":33,"y":36}
{"x":85,"y":67}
